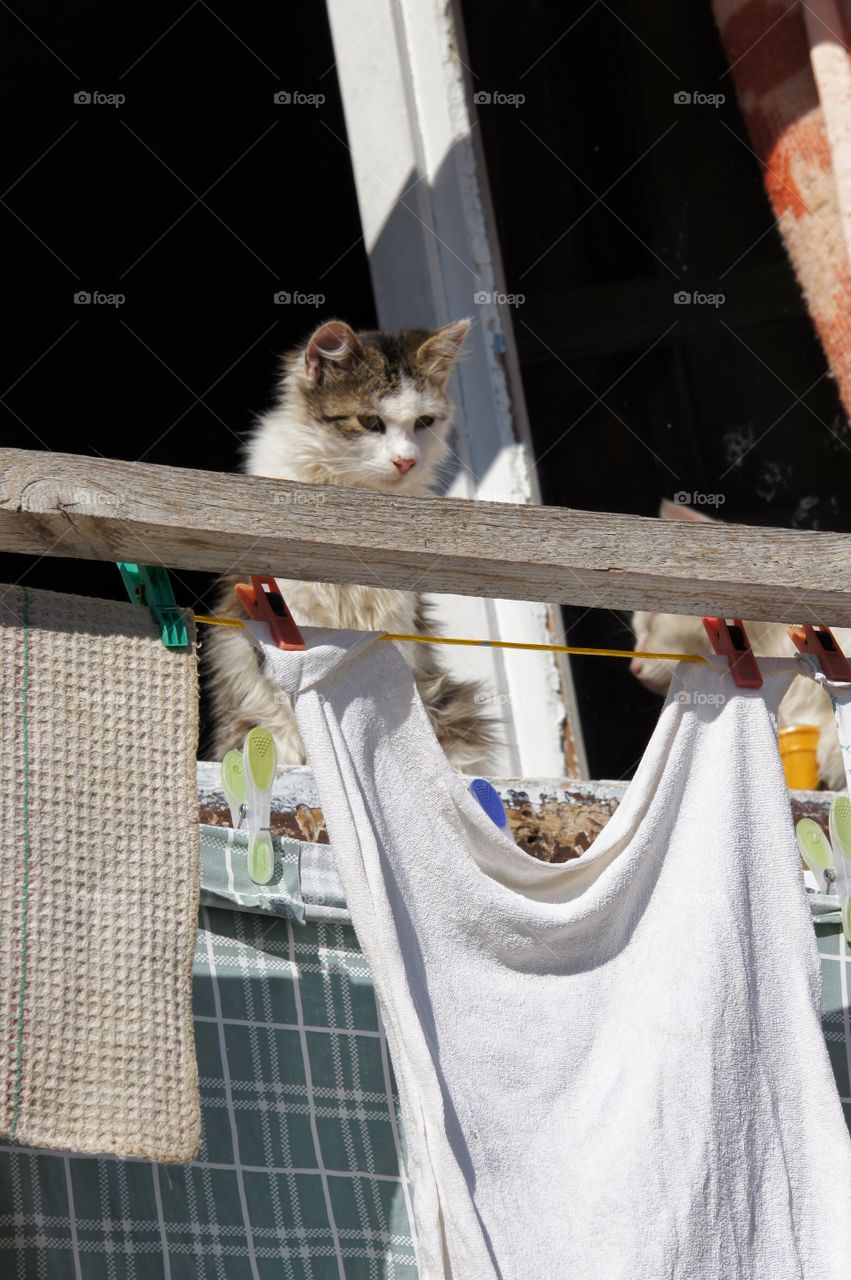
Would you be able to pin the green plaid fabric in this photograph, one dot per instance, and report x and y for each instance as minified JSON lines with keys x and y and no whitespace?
{"x":836,"y":1007}
{"x":300,"y":1174}
{"x":300,"y":1170}
{"x":225,"y":879}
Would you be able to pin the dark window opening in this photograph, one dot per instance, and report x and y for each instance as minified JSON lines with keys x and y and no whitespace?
{"x":198,"y":205}
{"x":611,"y":199}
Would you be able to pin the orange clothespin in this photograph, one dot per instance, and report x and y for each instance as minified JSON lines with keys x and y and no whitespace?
{"x":263,"y":601}
{"x":821,"y":643}
{"x":732,"y":642}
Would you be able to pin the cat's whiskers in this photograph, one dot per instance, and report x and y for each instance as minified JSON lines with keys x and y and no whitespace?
{"x":347,"y":415}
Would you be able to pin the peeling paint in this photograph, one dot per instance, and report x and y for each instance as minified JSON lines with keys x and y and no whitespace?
{"x":553,"y":820}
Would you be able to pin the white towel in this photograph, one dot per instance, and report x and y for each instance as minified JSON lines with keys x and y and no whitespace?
{"x":612,"y":1067}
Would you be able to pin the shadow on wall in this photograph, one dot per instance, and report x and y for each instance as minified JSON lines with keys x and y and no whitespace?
{"x":424,"y":275}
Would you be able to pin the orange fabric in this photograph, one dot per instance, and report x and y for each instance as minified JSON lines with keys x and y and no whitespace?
{"x":768,"y":49}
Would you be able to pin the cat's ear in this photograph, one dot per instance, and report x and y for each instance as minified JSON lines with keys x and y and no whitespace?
{"x":676,"y":511}
{"x":441,"y":349}
{"x":334,"y":345}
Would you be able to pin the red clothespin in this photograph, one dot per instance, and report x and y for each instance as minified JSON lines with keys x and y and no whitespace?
{"x":263,"y":601}
{"x":821,"y":643}
{"x":732,"y":642}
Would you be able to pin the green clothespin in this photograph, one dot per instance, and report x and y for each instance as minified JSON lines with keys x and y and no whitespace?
{"x":150,"y":585}
{"x":830,"y":860}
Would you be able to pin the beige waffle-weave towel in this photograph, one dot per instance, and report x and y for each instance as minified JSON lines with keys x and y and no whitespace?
{"x":100,"y":879}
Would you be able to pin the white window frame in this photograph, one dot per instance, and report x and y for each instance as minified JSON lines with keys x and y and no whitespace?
{"x":430,"y":236}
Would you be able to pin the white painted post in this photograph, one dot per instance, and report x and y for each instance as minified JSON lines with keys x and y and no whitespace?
{"x":433,"y":257}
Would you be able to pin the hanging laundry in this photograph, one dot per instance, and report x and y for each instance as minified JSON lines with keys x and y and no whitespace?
{"x":612,"y":1066}
{"x":100,"y":879}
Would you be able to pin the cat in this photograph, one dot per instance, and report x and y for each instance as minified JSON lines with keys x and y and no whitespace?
{"x":805,"y":703}
{"x":366,"y":410}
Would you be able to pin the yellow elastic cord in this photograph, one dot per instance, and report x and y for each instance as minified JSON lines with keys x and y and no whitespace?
{"x":501,"y":644}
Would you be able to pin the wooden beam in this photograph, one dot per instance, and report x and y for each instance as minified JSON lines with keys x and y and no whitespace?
{"x":98,"y":509}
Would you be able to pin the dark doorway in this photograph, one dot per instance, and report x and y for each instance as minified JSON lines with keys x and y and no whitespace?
{"x":199,"y":200}
{"x":612,"y":198}
{"x":202,"y":218}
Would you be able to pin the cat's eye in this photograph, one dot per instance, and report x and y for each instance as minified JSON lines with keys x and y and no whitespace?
{"x":371,"y":421}
{"x":425,"y":421}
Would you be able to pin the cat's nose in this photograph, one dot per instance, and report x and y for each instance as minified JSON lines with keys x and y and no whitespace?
{"x":403,"y":465}
{"x":636,"y":666}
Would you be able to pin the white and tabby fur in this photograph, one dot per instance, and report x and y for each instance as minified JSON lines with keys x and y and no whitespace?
{"x":311,"y":436}
{"x":805,"y":703}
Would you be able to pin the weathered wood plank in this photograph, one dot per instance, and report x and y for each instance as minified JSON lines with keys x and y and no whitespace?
{"x":93,"y":508}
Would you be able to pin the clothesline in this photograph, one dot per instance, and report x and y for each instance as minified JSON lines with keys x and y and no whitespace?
{"x":207,"y":619}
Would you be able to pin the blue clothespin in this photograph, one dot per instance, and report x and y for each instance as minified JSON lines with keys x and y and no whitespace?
{"x":488,"y":797}
{"x":150,"y":585}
